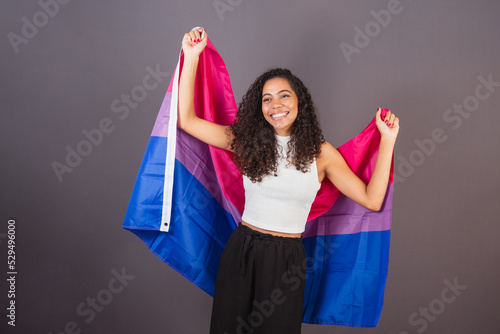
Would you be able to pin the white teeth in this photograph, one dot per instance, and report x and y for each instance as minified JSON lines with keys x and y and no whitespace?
{"x":278,"y":115}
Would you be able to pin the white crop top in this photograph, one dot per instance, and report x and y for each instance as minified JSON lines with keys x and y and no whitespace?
{"x":281,"y":203}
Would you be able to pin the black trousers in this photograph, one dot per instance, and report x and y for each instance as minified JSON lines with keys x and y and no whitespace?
{"x":260,"y":284}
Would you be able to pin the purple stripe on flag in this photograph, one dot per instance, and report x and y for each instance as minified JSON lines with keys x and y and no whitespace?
{"x":160,"y":128}
{"x":348,"y":217}
{"x":195,"y":156}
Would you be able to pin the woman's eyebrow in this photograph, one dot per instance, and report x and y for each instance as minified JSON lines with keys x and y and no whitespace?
{"x":281,"y":91}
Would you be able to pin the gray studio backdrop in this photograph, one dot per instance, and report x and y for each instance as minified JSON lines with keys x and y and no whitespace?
{"x":67,"y":65}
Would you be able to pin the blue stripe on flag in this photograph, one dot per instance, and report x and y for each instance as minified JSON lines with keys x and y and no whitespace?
{"x":345,"y":278}
{"x":200,"y":227}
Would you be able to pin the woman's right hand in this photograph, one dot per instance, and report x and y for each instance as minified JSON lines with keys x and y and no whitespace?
{"x":193,"y":44}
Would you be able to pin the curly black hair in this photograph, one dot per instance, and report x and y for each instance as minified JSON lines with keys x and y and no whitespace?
{"x":255,"y":145}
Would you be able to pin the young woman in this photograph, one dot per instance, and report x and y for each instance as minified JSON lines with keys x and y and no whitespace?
{"x":283,"y":157}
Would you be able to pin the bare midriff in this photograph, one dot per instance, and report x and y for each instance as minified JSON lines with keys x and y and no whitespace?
{"x":279,"y":234}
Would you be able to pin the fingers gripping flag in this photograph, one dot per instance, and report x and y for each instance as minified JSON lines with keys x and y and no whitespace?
{"x":188,"y":197}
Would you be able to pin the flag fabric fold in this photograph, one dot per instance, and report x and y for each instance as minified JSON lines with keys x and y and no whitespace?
{"x":347,"y":246}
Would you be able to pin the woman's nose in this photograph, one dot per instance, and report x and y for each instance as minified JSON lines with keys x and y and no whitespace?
{"x":276,"y":104}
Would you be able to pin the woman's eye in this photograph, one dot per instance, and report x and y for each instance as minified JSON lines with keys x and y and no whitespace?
{"x":265,"y":100}
{"x":285,"y":95}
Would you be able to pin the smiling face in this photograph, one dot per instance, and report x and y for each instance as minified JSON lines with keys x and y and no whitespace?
{"x":279,"y":105}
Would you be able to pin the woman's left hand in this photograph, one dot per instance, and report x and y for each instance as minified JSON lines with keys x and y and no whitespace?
{"x":387,"y":125}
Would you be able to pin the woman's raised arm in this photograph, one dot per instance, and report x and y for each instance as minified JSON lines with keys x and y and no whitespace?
{"x":370,"y":195}
{"x":206,"y":131}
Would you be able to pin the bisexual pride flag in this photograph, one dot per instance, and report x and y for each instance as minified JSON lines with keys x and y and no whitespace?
{"x":188,"y":197}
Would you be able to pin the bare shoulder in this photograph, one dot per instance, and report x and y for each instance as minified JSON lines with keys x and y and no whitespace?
{"x":328,"y":152}
{"x":328,"y":157}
